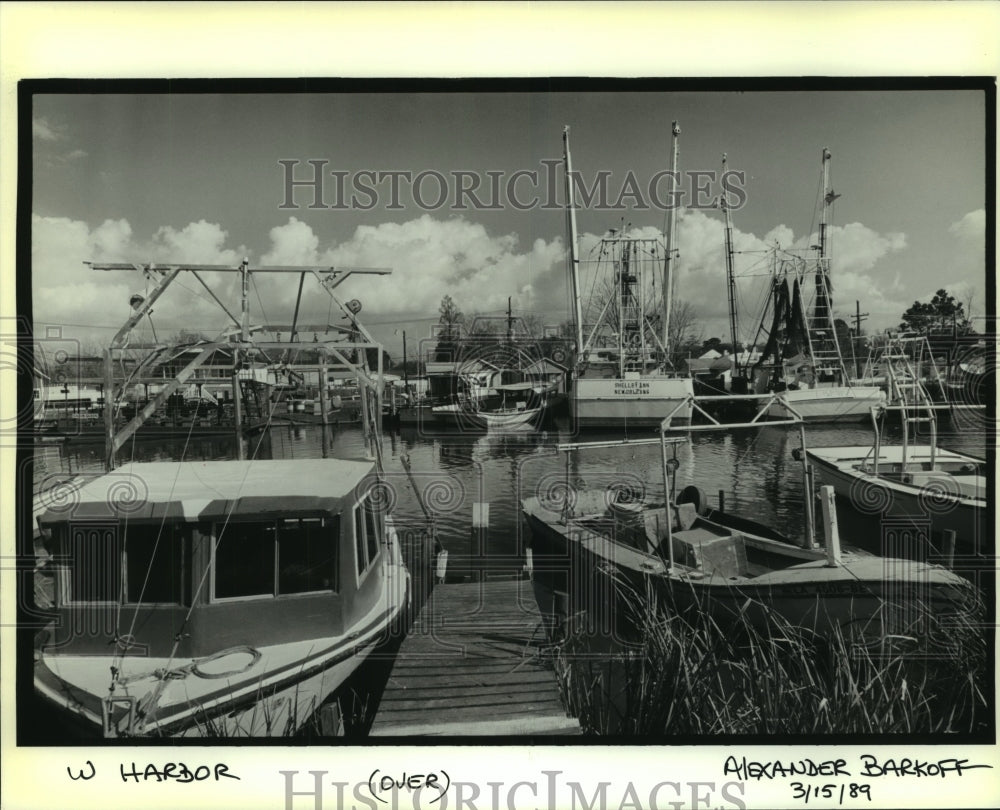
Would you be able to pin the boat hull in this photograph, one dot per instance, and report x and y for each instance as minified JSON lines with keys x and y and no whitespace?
{"x":936,"y":505}
{"x":833,"y":404}
{"x":641,"y":402}
{"x":272,"y":692}
{"x":499,"y":422}
{"x":867,"y":594}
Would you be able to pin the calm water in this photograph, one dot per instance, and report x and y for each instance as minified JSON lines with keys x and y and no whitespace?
{"x":754,"y":469}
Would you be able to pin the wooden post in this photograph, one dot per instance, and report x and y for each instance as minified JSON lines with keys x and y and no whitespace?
{"x":722,"y":500}
{"x":323,"y":403}
{"x":237,"y":410}
{"x":480,"y":528}
{"x":441,"y":565}
{"x":829,"y":504}
{"x":949,"y":548}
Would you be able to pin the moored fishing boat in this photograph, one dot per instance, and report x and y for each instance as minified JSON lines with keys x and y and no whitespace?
{"x":518,"y":406}
{"x":622,"y":377}
{"x":731,"y":568}
{"x":942,"y":487}
{"x":217,"y":598}
{"x":803,"y":360}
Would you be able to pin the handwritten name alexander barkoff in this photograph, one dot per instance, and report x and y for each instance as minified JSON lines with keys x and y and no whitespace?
{"x":869,"y":765}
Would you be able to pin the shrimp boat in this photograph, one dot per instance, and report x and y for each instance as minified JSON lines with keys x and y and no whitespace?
{"x":942,"y":488}
{"x":803,"y":360}
{"x":696,"y":558}
{"x":622,"y":377}
{"x":220,"y":598}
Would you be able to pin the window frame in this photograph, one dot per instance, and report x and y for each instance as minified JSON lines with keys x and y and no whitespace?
{"x":327,"y":522}
{"x":360,"y":509}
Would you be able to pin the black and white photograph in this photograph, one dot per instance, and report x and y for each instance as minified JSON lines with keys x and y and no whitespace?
{"x":382,"y":419}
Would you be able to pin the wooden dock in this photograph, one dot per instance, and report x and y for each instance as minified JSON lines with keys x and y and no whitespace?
{"x":473,"y":665}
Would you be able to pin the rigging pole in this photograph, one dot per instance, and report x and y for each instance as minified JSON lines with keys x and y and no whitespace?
{"x":730,"y":275}
{"x":668,"y":280}
{"x":574,"y":259}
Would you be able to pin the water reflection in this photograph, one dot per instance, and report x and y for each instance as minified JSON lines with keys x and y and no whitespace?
{"x":451,"y":472}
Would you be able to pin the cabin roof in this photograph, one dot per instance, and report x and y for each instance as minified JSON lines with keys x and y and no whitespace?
{"x":215,"y":490}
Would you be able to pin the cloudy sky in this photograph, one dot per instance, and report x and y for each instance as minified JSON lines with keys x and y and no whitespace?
{"x":197,"y":178}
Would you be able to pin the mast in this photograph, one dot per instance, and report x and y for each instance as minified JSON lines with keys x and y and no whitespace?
{"x":668,"y":281}
{"x":574,"y":259}
{"x":730,"y":274}
{"x":823,"y":274}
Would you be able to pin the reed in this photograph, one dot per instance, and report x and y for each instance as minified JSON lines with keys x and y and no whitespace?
{"x":684,"y":674}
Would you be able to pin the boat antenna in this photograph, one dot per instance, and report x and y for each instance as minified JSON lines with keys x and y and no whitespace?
{"x":668,"y":280}
{"x":574,"y":259}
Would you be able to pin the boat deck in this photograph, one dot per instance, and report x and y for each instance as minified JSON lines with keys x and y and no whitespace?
{"x":472,"y":665}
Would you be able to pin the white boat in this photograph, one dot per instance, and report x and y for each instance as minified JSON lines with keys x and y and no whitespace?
{"x":834,"y":403}
{"x":944,"y":488}
{"x":516,"y":406}
{"x":217,"y":598}
{"x":622,"y":377}
{"x":941,"y":488}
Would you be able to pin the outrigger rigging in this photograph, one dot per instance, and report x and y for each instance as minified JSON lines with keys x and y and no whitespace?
{"x":241,"y":342}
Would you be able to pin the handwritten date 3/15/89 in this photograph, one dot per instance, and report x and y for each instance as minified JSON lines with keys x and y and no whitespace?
{"x":803,"y":791}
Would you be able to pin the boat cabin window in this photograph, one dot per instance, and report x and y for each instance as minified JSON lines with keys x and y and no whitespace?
{"x":135,"y":563}
{"x":95,"y":564}
{"x":307,"y":555}
{"x":366,"y":534}
{"x":275,"y":558}
{"x":154,"y":563}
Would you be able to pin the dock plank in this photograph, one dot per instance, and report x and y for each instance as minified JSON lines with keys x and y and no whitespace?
{"x":472,"y":666}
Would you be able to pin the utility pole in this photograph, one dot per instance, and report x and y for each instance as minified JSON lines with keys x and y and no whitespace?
{"x":859,"y":316}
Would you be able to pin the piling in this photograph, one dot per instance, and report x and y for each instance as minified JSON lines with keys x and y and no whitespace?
{"x":324,"y":407}
{"x":829,"y":504}
{"x":949,"y":548}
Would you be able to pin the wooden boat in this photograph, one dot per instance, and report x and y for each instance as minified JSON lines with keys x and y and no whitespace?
{"x":696,"y":558}
{"x":218,"y":598}
{"x":733,"y":568}
{"x":946,"y":488}
{"x":942,"y":488}
{"x":517,"y":406}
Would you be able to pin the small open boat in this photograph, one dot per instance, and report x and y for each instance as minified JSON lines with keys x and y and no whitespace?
{"x":946,"y":488}
{"x":219,"y":598}
{"x":732,"y":567}
{"x":696,"y":558}
{"x":517,"y":406}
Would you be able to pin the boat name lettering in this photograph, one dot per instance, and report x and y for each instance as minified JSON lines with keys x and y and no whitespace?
{"x":632,"y":387}
{"x":176,"y":771}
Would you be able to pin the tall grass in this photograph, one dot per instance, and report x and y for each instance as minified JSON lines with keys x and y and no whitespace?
{"x":684,"y":674}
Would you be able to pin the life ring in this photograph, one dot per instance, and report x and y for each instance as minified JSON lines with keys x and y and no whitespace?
{"x":695,"y":496}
